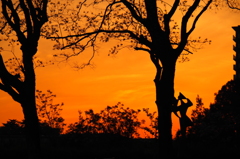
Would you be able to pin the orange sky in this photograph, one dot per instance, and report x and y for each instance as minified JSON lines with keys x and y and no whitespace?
{"x":128,"y":76}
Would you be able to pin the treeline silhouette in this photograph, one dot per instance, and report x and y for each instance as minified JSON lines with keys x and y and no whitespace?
{"x":221,"y":121}
{"x":115,"y":119}
{"x":215,"y":130}
{"x":95,"y":134}
{"x":218,"y":125}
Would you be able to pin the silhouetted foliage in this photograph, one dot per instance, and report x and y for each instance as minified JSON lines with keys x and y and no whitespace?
{"x":48,"y":112}
{"x":15,"y":127}
{"x":153,"y":126}
{"x":227,"y":107}
{"x":221,"y":122}
{"x":12,"y":127}
{"x":112,"y":120}
{"x":116,"y":120}
{"x":199,"y":112}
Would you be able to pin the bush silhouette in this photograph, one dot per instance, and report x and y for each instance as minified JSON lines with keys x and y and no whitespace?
{"x":112,"y":120}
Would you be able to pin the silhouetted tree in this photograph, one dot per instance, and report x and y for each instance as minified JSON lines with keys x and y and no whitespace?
{"x":112,"y":120}
{"x":49,"y":113}
{"x":143,"y":25}
{"x":219,"y":123}
{"x":227,"y":103}
{"x":21,"y":23}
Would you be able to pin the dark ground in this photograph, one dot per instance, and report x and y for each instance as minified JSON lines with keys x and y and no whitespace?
{"x":119,"y":148}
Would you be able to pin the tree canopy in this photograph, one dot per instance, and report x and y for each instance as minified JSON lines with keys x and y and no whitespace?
{"x":130,"y":22}
{"x":221,"y":122}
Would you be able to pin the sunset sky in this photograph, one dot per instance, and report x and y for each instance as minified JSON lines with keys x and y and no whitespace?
{"x":128,"y":76}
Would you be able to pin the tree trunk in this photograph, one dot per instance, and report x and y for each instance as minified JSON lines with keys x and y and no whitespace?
{"x":31,"y":130}
{"x":164,"y":97}
{"x":29,"y":104}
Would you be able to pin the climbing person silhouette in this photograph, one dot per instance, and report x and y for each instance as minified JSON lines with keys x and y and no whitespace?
{"x":185,"y":121}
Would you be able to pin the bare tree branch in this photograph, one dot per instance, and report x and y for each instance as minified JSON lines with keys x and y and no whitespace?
{"x":230,"y":5}
{"x":167,"y":17}
{"x":32,"y":11}
{"x":143,"y":49}
{"x":8,"y":89}
{"x":185,"y":20}
{"x":16,"y":24}
{"x":85,"y":35}
{"x":198,"y":16}
{"x":9,"y":79}
{"x":27,"y":18}
{"x":184,"y":33}
{"x":134,"y":11}
{"x":44,"y":16}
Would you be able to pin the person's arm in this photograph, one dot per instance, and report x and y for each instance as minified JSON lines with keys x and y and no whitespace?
{"x":175,"y":108}
{"x":189,"y":103}
{"x":175,"y":112}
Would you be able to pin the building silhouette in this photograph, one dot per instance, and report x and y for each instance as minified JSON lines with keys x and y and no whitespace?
{"x":236,"y":48}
